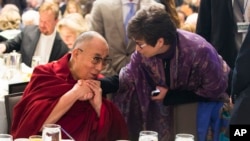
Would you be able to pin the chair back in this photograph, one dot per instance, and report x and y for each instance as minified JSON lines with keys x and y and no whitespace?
{"x":17,"y":87}
{"x":10,"y":102}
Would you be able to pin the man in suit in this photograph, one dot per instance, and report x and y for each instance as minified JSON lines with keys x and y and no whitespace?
{"x":216,"y":24}
{"x":240,"y":85}
{"x":107,"y":18}
{"x":42,"y":40}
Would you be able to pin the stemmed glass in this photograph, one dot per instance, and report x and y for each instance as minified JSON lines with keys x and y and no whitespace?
{"x":184,"y":137}
{"x":6,"y":137}
{"x":148,"y":136}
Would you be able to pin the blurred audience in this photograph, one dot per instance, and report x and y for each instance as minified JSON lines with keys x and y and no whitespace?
{"x":171,"y":9}
{"x":41,"y":40}
{"x":62,"y":5}
{"x":34,"y":4}
{"x":9,"y":7}
{"x":87,"y":9}
{"x":188,"y":27}
{"x":192,"y":19}
{"x":10,"y":21}
{"x":182,"y":17}
{"x":30,"y":17}
{"x":73,"y":7}
{"x":189,"y":6}
{"x":21,"y":4}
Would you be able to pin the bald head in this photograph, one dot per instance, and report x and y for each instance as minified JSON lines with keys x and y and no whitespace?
{"x":89,"y":36}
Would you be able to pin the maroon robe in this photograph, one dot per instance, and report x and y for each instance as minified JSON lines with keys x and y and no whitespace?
{"x":48,"y":83}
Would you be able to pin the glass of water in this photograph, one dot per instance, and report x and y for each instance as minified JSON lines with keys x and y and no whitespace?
{"x":36,"y":60}
{"x":148,"y":136}
{"x":6,"y":137}
{"x":184,"y":137}
{"x":51,"y":132}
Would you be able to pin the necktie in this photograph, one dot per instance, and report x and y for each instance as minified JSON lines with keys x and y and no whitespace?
{"x":128,"y":17}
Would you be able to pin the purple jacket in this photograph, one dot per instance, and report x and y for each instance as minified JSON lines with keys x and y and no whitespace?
{"x":194,"y":65}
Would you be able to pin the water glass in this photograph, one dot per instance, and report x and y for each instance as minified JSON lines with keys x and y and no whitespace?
{"x":51,"y":132}
{"x":6,"y":137}
{"x":15,"y":60}
{"x":184,"y":137}
{"x":36,"y":60}
{"x":148,"y":136}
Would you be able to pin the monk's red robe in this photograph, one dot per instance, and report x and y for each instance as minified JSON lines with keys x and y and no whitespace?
{"x":48,"y":83}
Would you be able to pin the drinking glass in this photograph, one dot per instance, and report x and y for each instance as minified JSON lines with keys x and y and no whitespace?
{"x":36,"y":60}
{"x":6,"y":137}
{"x":52,"y":132}
{"x":184,"y":137}
{"x":148,"y":136}
{"x":35,"y":138}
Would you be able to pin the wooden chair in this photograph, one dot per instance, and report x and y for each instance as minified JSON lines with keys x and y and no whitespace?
{"x":17,"y":87}
{"x":10,"y":101}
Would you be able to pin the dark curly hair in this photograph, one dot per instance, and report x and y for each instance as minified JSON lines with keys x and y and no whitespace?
{"x":152,"y":23}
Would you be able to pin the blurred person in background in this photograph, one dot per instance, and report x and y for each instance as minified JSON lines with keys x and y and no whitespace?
{"x":182,"y":17}
{"x":30,"y":17}
{"x":70,"y":27}
{"x":42,"y":40}
{"x":211,"y":25}
{"x":62,"y":5}
{"x":21,"y":4}
{"x":189,"y":6}
{"x":73,"y":7}
{"x":87,"y":9}
{"x":34,"y":4}
{"x":9,"y":7}
{"x":171,"y":9}
{"x":10,"y":21}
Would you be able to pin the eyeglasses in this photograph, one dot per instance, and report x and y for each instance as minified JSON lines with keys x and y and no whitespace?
{"x":96,"y":59}
{"x":140,"y":45}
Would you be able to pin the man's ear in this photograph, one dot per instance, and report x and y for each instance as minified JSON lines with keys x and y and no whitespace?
{"x":75,"y":52}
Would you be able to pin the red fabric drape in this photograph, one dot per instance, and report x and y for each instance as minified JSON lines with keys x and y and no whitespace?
{"x":48,"y":83}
